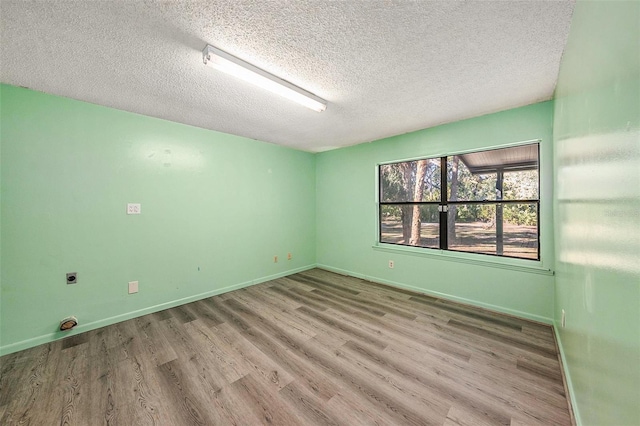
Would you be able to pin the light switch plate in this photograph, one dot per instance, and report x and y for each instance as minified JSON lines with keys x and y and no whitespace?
{"x":133,"y":208}
{"x":133,"y":287}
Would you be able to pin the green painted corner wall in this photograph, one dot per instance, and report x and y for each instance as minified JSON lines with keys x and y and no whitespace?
{"x":597,"y":211}
{"x":216,"y":208}
{"x":347,"y":211}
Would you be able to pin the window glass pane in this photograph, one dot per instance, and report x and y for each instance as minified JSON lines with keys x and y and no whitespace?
{"x":520,"y":230}
{"x":521,"y":185}
{"x":472,"y":228}
{"x":398,"y":226}
{"x":476,"y":228}
{"x":410,"y":181}
{"x":462,"y":185}
{"x":476,"y":176}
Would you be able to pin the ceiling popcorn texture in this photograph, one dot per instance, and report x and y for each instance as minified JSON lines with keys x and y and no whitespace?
{"x":386,"y":67}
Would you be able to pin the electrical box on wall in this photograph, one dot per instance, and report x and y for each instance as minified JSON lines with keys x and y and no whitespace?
{"x":68,"y":323}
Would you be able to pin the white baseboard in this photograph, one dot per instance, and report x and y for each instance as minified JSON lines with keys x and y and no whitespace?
{"x":567,"y":376}
{"x":50,"y":337}
{"x":488,"y":306}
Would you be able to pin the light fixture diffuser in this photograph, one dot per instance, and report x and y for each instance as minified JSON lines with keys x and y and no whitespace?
{"x":225,"y":62}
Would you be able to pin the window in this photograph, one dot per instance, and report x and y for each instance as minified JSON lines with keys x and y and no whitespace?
{"x":482,"y":202}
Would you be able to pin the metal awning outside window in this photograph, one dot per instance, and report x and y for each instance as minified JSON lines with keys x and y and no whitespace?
{"x":517,"y":158}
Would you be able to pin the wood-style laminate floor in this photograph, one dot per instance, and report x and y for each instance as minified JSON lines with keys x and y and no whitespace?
{"x":315,"y":348}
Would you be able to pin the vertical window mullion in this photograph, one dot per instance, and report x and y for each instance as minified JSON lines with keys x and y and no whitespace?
{"x":444,"y":244}
{"x":379,"y":204}
{"x":538,"y":218}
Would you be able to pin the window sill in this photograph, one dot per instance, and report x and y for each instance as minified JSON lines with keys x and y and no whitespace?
{"x":512,"y":264}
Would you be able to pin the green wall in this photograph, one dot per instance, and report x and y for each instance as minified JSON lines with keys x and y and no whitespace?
{"x":597,"y":211}
{"x":347,"y":211}
{"x":216,"y":208}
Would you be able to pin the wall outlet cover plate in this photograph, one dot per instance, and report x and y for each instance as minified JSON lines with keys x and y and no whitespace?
{"x":134,"y":208}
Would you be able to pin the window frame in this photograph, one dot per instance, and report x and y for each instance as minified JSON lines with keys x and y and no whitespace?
{"x":444,"y":202}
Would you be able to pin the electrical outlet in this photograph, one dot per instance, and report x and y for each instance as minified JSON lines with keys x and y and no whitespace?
{"x":289,"y":257}
{"x":275,"y":259}
{"x":563,"y":319}
{"x":133,"y":287}
{"x":391,"y":264}
{"x":72,"y":277}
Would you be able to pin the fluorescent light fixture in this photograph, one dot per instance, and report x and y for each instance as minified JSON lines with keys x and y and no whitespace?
{"x":223,"y":61}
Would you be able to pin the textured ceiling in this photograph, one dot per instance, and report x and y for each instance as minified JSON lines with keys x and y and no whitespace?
{"x":386,"y":67}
